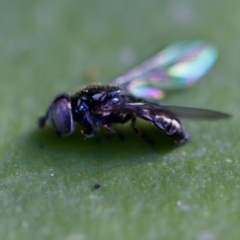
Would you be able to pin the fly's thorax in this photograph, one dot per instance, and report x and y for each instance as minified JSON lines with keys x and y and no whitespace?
{"x":90,"y":105}
{"x":95,"y":96}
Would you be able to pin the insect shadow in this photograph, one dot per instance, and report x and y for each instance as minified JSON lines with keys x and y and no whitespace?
{"x":104,"y":151}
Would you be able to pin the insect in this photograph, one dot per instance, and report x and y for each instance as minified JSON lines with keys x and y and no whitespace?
{"x":135,"y":95}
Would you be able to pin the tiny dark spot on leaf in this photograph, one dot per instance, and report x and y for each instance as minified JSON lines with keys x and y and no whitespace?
{"x":97,"y":186}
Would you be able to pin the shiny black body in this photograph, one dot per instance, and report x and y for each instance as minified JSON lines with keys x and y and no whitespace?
{"x":99,"y":106}
{"x":91,"y":106}
{"x":104,"y":105}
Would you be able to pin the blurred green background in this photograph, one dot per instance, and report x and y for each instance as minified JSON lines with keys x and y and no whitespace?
{"x":147,"y":192}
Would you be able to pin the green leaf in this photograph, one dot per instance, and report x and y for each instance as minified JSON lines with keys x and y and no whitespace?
{"x":146,"y":191}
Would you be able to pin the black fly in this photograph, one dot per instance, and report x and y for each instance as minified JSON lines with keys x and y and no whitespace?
{"x":131,"y":96}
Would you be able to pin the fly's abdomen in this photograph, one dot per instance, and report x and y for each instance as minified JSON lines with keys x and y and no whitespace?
{"x":173,"y":128}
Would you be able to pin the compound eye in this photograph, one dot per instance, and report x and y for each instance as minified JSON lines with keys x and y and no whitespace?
{"x":60,"y":117}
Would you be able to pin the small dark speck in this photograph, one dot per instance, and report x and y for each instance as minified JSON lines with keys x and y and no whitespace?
{"x":97,"y":186}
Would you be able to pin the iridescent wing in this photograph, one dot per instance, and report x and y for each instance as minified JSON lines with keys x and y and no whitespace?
{"x":176,"y":67}
{"x":149,"y":110}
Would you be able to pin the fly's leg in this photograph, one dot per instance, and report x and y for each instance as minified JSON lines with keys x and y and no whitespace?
{"x":87,"y":133}
{"x":139,"y":132}
{"x":42,"y":122}
{"x":112,"y":130}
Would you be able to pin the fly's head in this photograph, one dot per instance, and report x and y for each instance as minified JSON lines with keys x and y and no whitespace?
{"x":59,"y":115}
